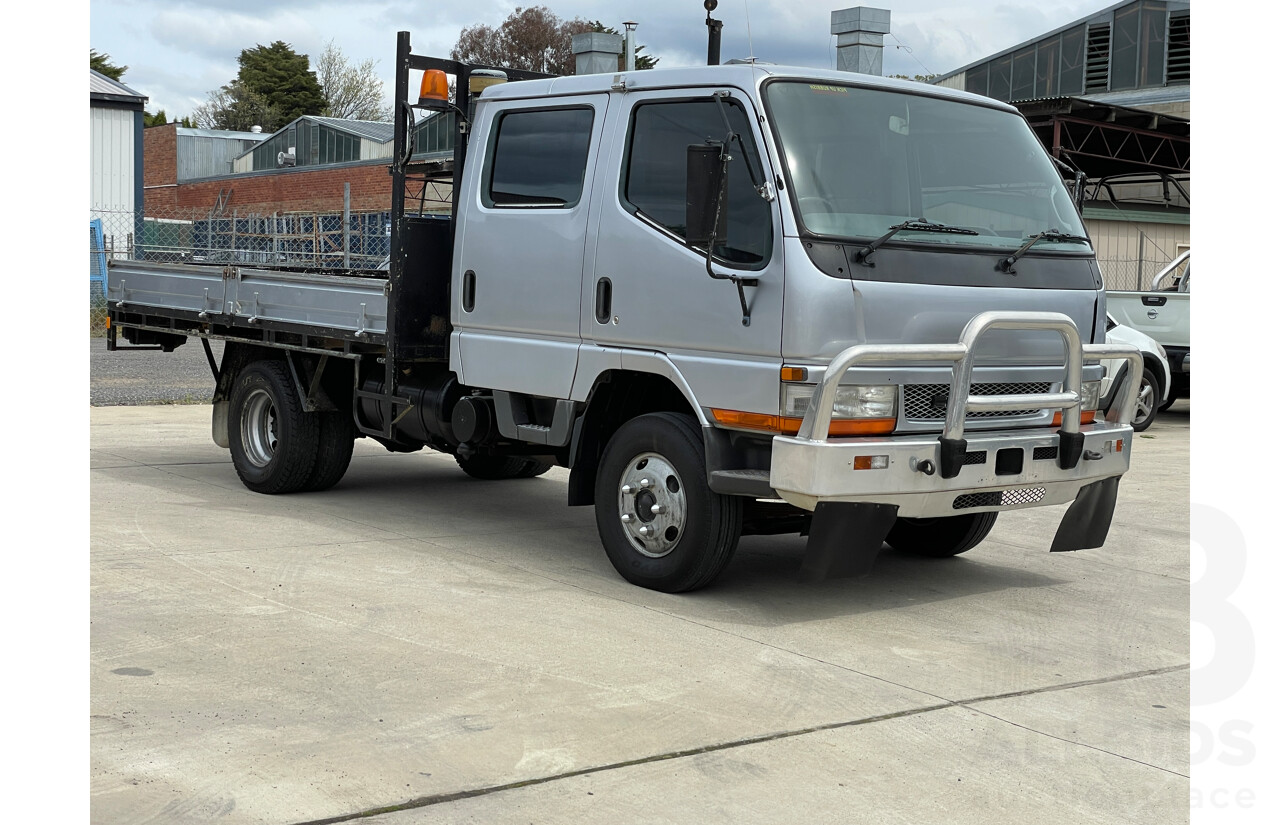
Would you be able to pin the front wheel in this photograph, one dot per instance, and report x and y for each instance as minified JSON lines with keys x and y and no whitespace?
{"x":940,"y":538}
{"x":661,"y":525}
{"x":1148,"y":401}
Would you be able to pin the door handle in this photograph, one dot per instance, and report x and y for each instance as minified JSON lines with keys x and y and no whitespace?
{"x":604,"y":300}
{"x":468,"y":290}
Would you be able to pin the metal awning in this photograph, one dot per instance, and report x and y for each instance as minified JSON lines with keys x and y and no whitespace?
{"x":1106,"y":140}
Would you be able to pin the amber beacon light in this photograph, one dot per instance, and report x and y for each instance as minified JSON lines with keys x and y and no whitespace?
{"x":434,"y":93}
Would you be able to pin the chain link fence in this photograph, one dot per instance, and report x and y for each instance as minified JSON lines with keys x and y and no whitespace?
{"x":1133,"y":275}
{"x":318,"y":240}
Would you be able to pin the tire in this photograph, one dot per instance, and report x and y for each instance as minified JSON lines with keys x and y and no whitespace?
{"x":659,"y":460}
{"x":496,"y":468}
{"x":335,"y":441}
{"x":273,"y":441}
{"x":940,"y":538}
{"x":1148,"y":401}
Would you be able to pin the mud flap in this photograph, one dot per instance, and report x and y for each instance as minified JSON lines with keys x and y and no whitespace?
{"x":845,"y":538}
{"x":1087,"y":521}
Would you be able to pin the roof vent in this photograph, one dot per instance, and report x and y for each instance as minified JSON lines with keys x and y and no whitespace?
{"x":257,"y":130}
{"x":287,"y":158}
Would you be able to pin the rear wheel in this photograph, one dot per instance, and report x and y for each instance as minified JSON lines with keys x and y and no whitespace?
{"x":335,"y":440}
{"x":496,"y":468}
{"x":940,"y":538}
{"x":273,"y":441}
{"x":661,"y":525}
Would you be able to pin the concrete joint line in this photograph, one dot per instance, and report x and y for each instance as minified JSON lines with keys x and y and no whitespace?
{"x":437,"y":799}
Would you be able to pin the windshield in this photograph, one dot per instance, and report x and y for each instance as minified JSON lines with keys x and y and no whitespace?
{"x":862,"y":161}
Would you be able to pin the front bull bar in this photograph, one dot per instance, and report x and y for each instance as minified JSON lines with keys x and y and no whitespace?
{"x":1087,"y":521}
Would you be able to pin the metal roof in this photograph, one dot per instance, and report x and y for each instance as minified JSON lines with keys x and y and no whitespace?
{"x":226,"y":134}
{"x":1143,"y":97}
{"x":102,"y":87}
{"x":374,"y":130}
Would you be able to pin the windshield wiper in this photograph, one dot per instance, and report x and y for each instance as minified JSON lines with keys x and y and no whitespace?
{"x":1006,"y":264}
{"x":918,"y":225}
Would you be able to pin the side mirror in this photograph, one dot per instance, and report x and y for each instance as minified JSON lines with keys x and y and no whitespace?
{"x":706,"y":194}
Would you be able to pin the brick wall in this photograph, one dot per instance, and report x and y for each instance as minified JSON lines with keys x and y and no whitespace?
{"x":286,"y":190}
{"x":160,"y":167}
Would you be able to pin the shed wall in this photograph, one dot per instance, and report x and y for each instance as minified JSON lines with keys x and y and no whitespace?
{"x":1130,"y":253}
{"x":111,"y":159}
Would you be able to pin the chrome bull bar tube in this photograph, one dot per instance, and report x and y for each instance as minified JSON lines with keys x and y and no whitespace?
{"x":962,"y":355}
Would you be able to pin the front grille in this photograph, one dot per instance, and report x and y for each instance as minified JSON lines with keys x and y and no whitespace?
{"x":1002,"y":498}
{"x":928,"y":402}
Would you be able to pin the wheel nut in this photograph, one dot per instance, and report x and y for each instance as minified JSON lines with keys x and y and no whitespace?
{"x":658,"y":509}
{"x":627,"y":489}
{"x":646,"y":483}
{"x":626,"y":518}
{"x":646,"y":531}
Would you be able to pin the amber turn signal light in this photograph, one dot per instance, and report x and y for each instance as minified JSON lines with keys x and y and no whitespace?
{"x":787,"y":425}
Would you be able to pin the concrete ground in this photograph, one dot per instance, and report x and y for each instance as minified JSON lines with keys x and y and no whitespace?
{"x":415,"y":647}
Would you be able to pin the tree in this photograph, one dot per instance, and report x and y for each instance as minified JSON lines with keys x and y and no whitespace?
{"x":160,"y":119}
{"x":284,"y":79}
{"x":350,"y":91}
{"x":533,"y":39}
{"x":238,"y":108}
{"x":275,"y":85}
{"x":101,"y":63}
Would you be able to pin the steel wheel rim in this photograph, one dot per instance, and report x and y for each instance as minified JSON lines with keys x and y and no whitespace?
{"x":652,"y":505}
{"x":258,"y":428}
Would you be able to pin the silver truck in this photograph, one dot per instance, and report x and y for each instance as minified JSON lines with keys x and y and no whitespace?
{"x":730,"y":300}
{"x":1164,"y":313}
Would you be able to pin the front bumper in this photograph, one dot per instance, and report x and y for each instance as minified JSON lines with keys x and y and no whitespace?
{"x":806,"y":473}
{"x":998,"y":470}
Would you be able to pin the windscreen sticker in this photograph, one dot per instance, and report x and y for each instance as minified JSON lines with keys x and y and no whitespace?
{"x":828,"y":90}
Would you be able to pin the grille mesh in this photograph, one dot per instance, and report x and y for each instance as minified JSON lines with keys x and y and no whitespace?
{"x":1002,"y":498}
{"x":1044,"y":453}
{"x":918,"y":399}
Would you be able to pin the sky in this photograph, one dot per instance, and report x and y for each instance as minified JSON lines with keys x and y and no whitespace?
{"x":178,"y":51}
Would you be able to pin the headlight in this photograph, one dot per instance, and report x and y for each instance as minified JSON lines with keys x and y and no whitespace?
{"x":1090,"y":392}
{"x":855,"y":401}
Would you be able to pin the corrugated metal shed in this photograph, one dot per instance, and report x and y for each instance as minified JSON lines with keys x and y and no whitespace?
{"x":204,"y":153}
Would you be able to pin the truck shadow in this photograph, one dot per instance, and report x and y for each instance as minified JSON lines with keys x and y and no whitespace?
{"x":526,"y":524}
{"x":761,"y":587}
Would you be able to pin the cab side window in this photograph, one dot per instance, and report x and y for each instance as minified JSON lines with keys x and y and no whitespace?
{"x":656,"y":171}
{"x":539,"y":158}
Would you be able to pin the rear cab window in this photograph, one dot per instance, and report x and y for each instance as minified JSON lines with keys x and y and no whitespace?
{"x":539,"y":158}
